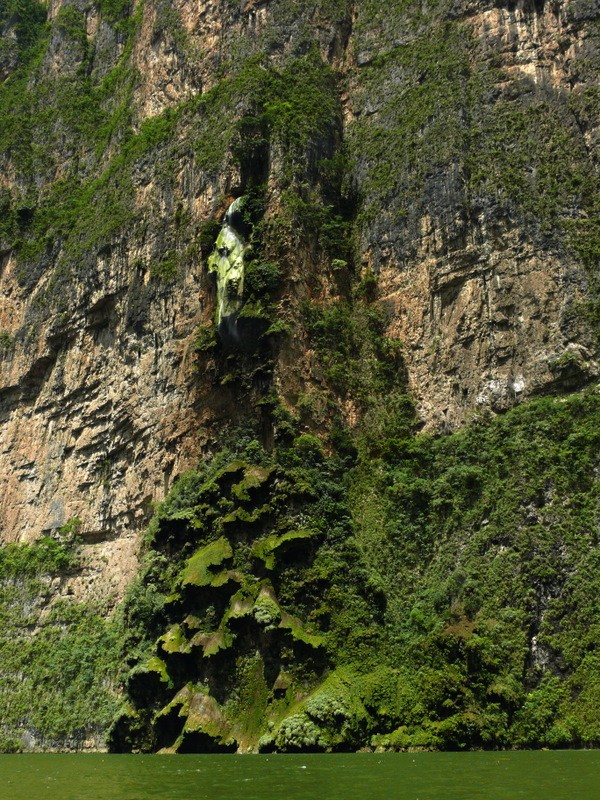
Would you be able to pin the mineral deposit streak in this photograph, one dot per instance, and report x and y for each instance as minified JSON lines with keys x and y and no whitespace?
{"x":227,"y":261}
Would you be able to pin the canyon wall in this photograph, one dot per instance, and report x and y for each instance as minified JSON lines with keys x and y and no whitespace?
{"x":436,"y":163}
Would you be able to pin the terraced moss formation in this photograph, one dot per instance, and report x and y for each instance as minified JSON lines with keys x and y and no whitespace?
{"x":258,"y":553}
{"x":442,"y":595}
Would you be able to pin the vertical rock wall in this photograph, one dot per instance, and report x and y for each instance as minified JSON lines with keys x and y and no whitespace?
{"x":470,"y":144}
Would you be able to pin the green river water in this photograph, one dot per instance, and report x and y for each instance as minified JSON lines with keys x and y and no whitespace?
{"x":572,"y":775}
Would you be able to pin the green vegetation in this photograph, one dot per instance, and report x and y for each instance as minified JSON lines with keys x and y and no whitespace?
{"x":305,"y":589}
{"x":445,"y":126}
{"x":197,"y":571}
{"x":84,"y":211}
{"x":58,"y":657}
{"x":458,"y":553}
{"x":40,"y":116}
{"x":46,"y":556}
{"x":6,"y":342}
{"x":358,"y":359}
{"x":26,"y":18}
{"x":440,"y":594}
{"x":417,"y":130}
{"x":545,"y":183}
{"x":327,"y":578}
{"x":115,"y":12}
{"x":482,"y":540}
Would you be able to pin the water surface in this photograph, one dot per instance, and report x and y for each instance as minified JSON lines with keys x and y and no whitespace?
{"x":569,"y":775}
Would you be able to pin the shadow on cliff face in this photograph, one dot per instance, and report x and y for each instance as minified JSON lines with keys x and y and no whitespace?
{"x":241,"y":334}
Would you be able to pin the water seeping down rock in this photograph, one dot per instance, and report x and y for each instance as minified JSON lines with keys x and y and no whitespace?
{"x":227,"y":261}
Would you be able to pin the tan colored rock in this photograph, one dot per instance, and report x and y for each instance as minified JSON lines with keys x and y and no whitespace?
{"x":96,"y":427}
{"x":97,"y":419}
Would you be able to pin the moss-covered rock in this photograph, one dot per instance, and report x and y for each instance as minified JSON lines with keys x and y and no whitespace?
{"x":299,"y":651}
{"x":271,"y":547}
{"x":199,"y":569}
{"x":227,"y":261}
{"x":203,"y":722}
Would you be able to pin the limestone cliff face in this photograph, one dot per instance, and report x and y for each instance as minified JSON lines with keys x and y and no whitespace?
{"x":97,"y":419}
{"x":484,"y":287}
{"x":469,"y":139}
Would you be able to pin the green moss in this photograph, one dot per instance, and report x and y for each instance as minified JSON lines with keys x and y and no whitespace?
{"x":200,"y":714}
{"x":266,"y":610}
{"x":245,"y":516}
{"x":299,"y":633}
{"x":174,"y":641}
{"x":157,"y":665}
{"x":241,"y":605}
{"x":221,"y":640}
{"x":198,"y":570}
{"x":204,"y":717}
{"x":269,"y":548}
{"x":248,"y":701}
{"x":252,"y":502}
{"x":255,"y":478}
